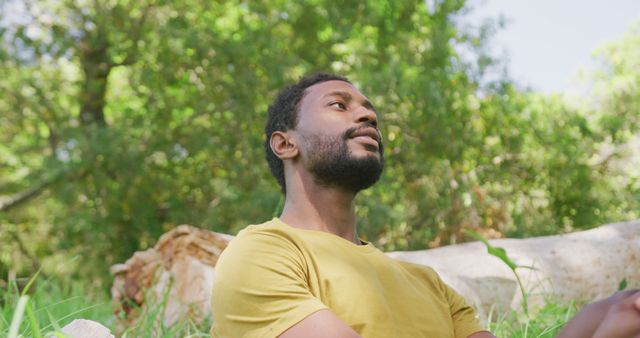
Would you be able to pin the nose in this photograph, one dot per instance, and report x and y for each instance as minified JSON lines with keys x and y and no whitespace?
{"x":365,"y":115}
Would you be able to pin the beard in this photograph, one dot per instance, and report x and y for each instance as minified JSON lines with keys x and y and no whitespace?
{"x":333,"y":165}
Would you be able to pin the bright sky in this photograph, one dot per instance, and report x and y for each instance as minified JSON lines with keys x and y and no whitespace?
{"x":547,"y":41}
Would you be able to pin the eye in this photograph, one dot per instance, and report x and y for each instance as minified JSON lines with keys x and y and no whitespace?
{"x":338,"y":105}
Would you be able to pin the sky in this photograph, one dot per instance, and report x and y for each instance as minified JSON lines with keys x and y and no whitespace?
{"x":546,"y":42}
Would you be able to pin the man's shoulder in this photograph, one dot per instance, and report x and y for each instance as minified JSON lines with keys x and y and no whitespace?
{"x":418,"y":270}
{"x":259,"y":285}
{"x":260,"y":240}
{"x":270,"y":231}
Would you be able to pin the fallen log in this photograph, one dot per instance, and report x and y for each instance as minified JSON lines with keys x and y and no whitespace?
{"x":177,"y":274}
{"x":581,"y":266}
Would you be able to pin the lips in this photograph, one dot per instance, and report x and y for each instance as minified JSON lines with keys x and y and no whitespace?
{"x":366,"y":134}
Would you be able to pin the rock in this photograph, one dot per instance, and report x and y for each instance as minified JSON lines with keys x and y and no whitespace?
{"x":179,"y":267}
{"x":83,"y":328}
{"x":579,"y":266}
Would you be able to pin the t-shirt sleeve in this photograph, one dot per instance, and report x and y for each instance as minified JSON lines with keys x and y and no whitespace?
{"x":260,"y":288}
{"x":465,"y":321}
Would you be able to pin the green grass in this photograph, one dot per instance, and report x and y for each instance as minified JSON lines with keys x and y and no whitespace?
{"x":543,"y":323}
{"x":41,"y":307}
{"x":150,"y":323}
{"x":49,"y":305}
{"x":547,"y":320}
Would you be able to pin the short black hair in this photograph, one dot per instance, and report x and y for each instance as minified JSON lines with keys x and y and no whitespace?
{"x":283,"y":115}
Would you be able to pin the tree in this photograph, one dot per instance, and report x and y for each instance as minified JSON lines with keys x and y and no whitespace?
{"x":123,"y":119}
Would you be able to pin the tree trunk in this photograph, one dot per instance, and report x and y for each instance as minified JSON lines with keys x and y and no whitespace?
{"x":96,"y":65}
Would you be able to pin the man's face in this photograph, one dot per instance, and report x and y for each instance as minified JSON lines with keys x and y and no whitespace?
{"x":339,"y":140}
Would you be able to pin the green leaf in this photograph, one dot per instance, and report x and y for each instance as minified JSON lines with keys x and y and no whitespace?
{"x":501,"y":253}
{"x":622,"y":285}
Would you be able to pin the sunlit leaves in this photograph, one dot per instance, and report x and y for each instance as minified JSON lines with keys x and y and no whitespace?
{"x":187,"y":88}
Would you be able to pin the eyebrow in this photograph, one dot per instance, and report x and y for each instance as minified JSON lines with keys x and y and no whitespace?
{"x":348,"y":97}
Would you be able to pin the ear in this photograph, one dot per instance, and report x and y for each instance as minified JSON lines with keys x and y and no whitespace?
{"x":283,"y":145}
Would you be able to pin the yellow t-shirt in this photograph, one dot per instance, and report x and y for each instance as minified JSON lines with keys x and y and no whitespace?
{"x":272,"y":275}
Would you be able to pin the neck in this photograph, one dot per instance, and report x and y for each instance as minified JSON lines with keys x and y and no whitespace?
{"x":314,"y":207}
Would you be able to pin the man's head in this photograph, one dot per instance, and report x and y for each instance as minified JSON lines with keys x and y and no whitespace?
{"x":326,"y":126}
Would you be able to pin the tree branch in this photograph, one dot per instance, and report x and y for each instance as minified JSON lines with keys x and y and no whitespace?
{"x":35,"y":264}
{"x":135,"y":37}
{"x":31,"y":192}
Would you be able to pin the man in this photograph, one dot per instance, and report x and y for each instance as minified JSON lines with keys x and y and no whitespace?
{"x":306,"y":273}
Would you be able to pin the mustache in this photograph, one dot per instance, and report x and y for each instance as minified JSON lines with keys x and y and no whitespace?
{"x":347,"y":134}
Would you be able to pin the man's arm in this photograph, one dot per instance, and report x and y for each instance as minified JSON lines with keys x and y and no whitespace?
{"x":324,"y":323}
{"x":321,"y":324}
{"x":617,"y":316}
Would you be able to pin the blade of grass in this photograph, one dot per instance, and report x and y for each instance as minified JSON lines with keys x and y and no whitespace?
{"x":549,"y":330}
{"x":71,"y":314}
{"x":52,"y":322}
{"x":16,"y":320}
{"x":31,"y":280}
{"x":54,"y":304}
{"x":35,"y":328}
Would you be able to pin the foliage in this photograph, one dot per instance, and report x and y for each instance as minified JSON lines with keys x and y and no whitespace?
{"x":43,"y":306}
{"x":149,"y":321}
{"x":52,"y":303}
{"x":546,"y":322}
{"x":122,"y":119}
